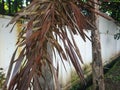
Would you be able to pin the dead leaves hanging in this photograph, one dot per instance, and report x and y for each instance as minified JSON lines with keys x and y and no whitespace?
{"x":46,"y":21}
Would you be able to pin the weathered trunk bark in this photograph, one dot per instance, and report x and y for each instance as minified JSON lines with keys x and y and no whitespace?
{"x":46,"y":83}
{"x":97,"y":67}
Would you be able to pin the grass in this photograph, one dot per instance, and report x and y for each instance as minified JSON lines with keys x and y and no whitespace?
{"x":76,"y":85}
{"x":112,"y":79}
{"x":2,"y":77}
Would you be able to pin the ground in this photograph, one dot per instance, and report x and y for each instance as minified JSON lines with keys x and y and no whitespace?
{"x":112,"y":78}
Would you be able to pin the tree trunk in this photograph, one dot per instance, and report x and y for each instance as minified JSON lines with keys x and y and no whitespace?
{"x":3,"y":10}
{"x":97,"y":67}
{"x":9,"y":6}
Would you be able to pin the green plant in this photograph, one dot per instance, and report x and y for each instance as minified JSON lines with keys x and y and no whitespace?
{"x":2,"y":77}
{"x":87,"y":70}
{"x":114,"y":77}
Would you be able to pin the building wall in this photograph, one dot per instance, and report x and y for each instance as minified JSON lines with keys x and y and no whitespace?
{"x":110,"y":47}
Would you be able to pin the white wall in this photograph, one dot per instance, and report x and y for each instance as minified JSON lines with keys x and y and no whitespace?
{"x":110,"y":46}
{"x":7,"y":42}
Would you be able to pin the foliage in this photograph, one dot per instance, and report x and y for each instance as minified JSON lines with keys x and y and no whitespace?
{"x":2,"y":77}
{"x":112,"y":8}
{"x":10,"y":7}
{"x":113,"y":73}
{"x":77,"y":85}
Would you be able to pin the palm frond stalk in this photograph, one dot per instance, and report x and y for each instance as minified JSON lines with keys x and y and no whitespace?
{"x":45,"y":22}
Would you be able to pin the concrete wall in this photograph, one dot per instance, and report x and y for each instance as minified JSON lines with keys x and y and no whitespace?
{"x":7,"y":42}
{"x":110,"y":47}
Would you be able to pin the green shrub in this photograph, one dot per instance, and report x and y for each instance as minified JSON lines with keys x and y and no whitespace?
{"x":2,"y":77}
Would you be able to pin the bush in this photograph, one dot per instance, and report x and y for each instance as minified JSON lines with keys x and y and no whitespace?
{"x":2,"y":77}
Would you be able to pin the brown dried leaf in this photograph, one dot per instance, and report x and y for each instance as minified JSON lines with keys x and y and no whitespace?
{"x":80,"y":20}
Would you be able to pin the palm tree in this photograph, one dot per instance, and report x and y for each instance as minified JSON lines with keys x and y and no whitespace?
{"x":45,"y":22}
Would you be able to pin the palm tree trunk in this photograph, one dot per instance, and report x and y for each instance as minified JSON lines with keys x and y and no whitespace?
{"x":97,"y":67}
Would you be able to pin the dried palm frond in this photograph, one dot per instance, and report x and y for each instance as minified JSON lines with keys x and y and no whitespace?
{"x":45,"y":21}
